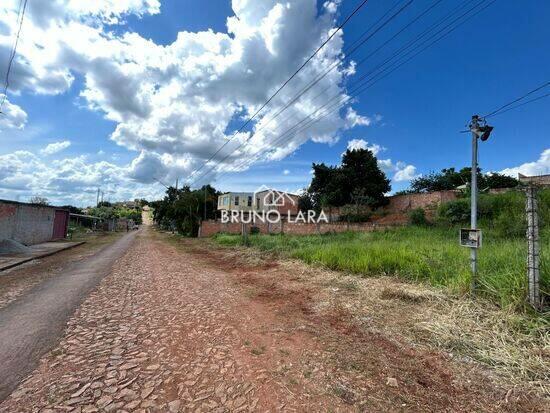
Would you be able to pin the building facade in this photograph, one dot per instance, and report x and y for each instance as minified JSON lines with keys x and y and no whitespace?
{"x":31,"y":223}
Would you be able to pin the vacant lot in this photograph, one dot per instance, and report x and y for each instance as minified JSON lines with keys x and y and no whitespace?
{"x":429,"y":255}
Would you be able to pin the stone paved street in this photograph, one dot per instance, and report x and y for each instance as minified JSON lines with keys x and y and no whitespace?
{"x":162,"y":334}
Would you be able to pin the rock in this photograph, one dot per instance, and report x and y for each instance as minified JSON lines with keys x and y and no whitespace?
{"x":174,"y":406}
{"x":147,"y":392}
{"x":104,"y":401}
{"x":392,"y":382}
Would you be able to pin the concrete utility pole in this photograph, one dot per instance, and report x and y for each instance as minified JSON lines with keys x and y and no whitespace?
{"x":479,"y":129}
{"x":97,"y":198}
{"x":533,"y":248}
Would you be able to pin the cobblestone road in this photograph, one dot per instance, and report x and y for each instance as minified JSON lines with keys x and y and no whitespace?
{"x":161,"y":333}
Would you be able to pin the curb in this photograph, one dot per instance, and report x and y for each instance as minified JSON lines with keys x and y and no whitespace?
{"x":46,"y":254}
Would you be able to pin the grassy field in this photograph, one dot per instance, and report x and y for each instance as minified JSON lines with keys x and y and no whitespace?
{"x":424,"y":254}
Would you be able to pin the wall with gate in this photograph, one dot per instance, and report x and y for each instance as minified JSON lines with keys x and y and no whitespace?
{"x":31,"y":224}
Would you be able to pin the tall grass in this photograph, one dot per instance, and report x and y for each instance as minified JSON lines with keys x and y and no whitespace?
{"x":425,"y":254}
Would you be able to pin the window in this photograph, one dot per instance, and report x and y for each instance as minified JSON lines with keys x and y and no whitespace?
{"x":225,"y":200}
{"x":236,"y":200}
{"x":249,"y":201}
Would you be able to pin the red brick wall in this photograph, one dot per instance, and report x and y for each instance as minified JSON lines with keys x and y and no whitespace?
{"x":404,"y":203}
{"x":209,"y":228}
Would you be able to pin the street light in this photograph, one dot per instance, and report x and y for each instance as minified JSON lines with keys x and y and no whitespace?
{"x":480,"y":130}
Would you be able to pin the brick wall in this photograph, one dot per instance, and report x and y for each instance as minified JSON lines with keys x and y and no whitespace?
{"x":404,"y":203}
{"x":26,"y":223}
{"x":209,"y":228}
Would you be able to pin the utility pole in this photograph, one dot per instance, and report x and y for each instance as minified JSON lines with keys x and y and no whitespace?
{"x":479,"y":129}
{"x":97,"y":198}
{"x":204,"y":202}
{"x":533,"y":248}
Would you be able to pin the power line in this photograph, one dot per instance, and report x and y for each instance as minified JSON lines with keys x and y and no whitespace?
{"x":14,"y":51}
{"x":495,"y":112}
{"x":306,"y":88}
{"x":363,"y":83}
{"x":286,"y":82}
{"x":379,"y":76}
{"x":521,"y":104}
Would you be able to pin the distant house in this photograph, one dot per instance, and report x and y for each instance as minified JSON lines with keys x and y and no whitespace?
{"x":263,"y":200}
{"x":272,"y":199}
{"x":236,"y":201}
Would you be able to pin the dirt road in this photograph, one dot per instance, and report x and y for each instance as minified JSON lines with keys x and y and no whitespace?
{"x":180,"y":326}
{"x":33,"y":324}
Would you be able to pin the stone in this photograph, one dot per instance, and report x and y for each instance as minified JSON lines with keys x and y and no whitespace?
{"x":392,"y":382}
{"x":174,"y":406}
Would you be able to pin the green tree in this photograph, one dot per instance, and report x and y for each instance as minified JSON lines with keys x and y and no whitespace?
{"x":450,"y":178}
{"x":358,"y":180}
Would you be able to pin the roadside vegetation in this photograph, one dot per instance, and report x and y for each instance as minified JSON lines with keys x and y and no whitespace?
{"x":430,"y":252}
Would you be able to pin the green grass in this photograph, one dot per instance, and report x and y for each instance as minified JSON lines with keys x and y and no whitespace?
{"x":424,"y":254}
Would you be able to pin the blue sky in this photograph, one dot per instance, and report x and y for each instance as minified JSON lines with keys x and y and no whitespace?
{"x":415,"y":114}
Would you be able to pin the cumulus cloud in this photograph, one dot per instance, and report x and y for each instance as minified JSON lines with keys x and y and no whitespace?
{"x":539,"y":167}
{"x":363,"y":144}
{"x":12,"y":116}
{"x":399,"y":171}
{"x":175,"y":104}
{"x":68,"y":180}
{"x":55,"y":147}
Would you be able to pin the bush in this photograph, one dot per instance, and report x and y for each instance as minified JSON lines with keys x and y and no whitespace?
{"x":254,"y":230}
{"x":454,"y":212}
{"x":418,"y":217}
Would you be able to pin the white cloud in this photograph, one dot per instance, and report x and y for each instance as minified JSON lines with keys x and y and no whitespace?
{"x":68,"y":180}
{"x":407,"y":173}
{"x":12,"y":116}
{"x":286,"y":172}
{"x":55,"y":147}
{"x":173,"y":104}
{"x":539,"y":167}
{"x":400,"y":170}
{"x":354,"y":119}
{"x":363,"y":144}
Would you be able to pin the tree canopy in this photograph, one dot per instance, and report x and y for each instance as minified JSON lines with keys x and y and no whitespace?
{"x":358,"y":180}
{"x":450,"y":178}
{"x":182,"y":209}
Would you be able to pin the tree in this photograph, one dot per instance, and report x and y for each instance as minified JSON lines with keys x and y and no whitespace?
{"x":357,"y":181}
{"x":183,"y":209}
{"x":39,"y":200}
{"x":450,"y":178}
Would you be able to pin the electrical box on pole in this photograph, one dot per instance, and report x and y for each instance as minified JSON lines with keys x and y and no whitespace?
{"x":472,"y":236}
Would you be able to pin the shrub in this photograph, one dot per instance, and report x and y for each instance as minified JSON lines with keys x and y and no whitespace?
{"x":454,"y":212}
{"x":418,"y":217}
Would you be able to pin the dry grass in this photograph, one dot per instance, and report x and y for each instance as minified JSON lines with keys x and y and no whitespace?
{"x":513,"y":348}
{"x":516,"y":348}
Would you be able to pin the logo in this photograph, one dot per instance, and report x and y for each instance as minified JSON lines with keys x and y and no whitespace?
{"x":269,"y":197}
{"x":271,"y":206}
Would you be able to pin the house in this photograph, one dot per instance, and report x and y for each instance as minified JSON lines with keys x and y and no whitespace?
{"x":272,"y":199}
{"x":236,"y":201}
{"x":31,"y":224}
{"x":262,"y":200}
